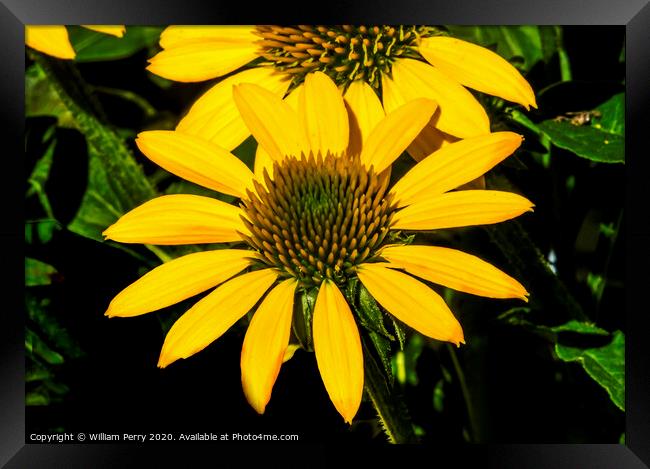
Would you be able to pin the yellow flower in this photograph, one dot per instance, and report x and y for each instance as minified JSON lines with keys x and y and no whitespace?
{"x":397,"y":63}
{"x":321,"y":216}
{"x":53,"y":39}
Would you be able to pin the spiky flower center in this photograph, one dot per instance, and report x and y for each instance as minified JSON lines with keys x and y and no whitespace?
{"x":346,"y":53}
{"x":318,"y":217}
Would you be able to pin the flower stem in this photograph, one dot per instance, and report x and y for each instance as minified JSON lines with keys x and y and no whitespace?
{"x":465,"y":390}
{"x":391,"y":410}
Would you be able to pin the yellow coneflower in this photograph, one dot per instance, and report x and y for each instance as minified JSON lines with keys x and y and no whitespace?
{"x":396,"y":63}
{"x":53,"y":39}
{"x":321,"y":216}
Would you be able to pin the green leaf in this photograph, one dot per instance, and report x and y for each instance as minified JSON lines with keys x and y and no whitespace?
{"x":100,"y":205}
{"x":302,"y":318}
{"x":41,"y":99}
{"x":36,"y":347}
{"x":40,"y":231}
{"x":36,"y":398}
{"x":370,"y":316}
{"x":586,"y":141}
{"x":579,"y":327}
{"x":439,"y":395}
{"x":38,"y":273}
{"x":612,"y":118}
{"x":383,"y":348}
{"x":405,"y":362}
{"x":93,"y":46}
{"x":606,"y":365}
{"x":39,"y":314}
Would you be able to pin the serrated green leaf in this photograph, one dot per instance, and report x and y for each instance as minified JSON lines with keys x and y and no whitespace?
{"x":93,"y":46}
{"x":38,"y":272}
{"x":383,"y":348}
{"x":370,"y":315}
{"x":605,"y":365}
{"x":41,"y":99}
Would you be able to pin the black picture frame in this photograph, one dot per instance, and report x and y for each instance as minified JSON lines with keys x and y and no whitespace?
{"x":634,"y":14}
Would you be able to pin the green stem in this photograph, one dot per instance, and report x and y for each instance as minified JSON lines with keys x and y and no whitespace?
{"x":565,"y":65}
{"x":127,"y":95}
{"x":465,"y":390}
{"x":530,"y":265}
{"x":391,"y":410}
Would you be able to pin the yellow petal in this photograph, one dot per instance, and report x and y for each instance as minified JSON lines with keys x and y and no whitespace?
{"x":412,"y":302}
{"x":265,"y":344}
{"x":454,"y":269}
{"x":273,"y":122}
{"x":215,"y":117}
{"x":208,"y":319}
{"x":51,"y":40}
{"x":429,"y":140}
{"x":395,"y":132}
{"x":460,"y":114}
{"x":323,"y":115}
{"x":366,"y":112}
{"x":196,"y":160}
{"x":179,"y":219}
{"x":178,"y":280}
{"x":338,"y":350}
{"x":198,"y":61}
{"x":262,"y":159}
{"x":453,"y":165}
{"x":478,"y":68}
{"x":461,"y":208}
{"x":117,"y":30}
{"x":177,"y":35}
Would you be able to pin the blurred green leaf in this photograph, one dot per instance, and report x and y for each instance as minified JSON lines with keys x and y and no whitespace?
{"x":607,"y":229}
{"x":586,"y":141}
{"x":38,"y":273}
{"x":606,"y":365}
{"x":596,"y":284}
{"x":40,"y":231}
{"x":93,"y":46}
{"x":38,"y":312}
{"x":35,"y":346}
{"x":36,"y":398}
{"x":439,"y":395}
